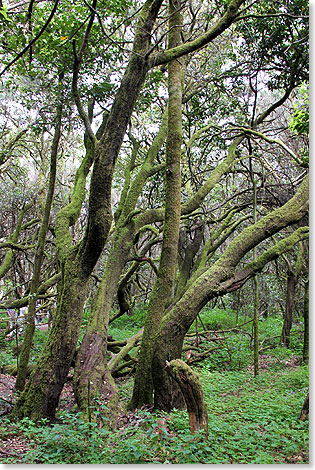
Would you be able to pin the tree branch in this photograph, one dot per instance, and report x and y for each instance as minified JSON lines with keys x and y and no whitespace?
{"x":221,"y":25}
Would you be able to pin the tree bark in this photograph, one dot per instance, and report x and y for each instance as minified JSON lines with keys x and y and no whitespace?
{"x":292,"y":280}
{"x":305,"y":408}
{"x":186,"y":265}
{"x":91,"y":360}
{"x":30,"y":319}
{"x":289,"y":304}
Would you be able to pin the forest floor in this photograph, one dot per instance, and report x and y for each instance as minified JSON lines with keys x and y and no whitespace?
{"x":16,"y":445}
{"x":19,"y":445}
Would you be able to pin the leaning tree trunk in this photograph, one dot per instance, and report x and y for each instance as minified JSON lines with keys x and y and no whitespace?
{"x":219,"y":279}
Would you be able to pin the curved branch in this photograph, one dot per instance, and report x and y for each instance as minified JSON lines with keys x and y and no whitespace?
{"x":273,"y":253}
{"x":221,"y":25}
{"x":274,"y":141}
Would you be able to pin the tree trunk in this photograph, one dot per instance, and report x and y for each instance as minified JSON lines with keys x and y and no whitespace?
{"x":256,"y":284}
{"x":186,"y":265}
{"x":255,"y":326}
{"x":289,"y":304}
{"x":292,"y":280}
{"x":306,"y":340}
{"x":41,"y":394}
{"x":163,"y":288}
{"x":305,"y":408}
{"x":167,"y":394}
{"x":91,"y":360}
{"x":30,"y":319}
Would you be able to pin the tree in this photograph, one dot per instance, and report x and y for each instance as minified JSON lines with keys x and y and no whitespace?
{"x":292,"y":280}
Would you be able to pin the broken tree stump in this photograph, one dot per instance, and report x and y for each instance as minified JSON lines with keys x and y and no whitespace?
{"x":191,"y":389}
{"x":305,"y":408}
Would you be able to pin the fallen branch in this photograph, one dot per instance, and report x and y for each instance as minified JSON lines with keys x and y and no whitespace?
{"x":201,"y":356}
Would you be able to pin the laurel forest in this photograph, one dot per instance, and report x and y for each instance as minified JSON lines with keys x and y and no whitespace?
{"x":154,"y":289}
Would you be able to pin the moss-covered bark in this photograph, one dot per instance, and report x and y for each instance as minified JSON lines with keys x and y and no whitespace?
{"x":41,"y":394}
{"x":18,"y":303}
{"x":221,"y":25}
{"x":91,"y":361}
{"x":191,"y":389}
{"x":13,"y":238}
{"x":163,"y":288}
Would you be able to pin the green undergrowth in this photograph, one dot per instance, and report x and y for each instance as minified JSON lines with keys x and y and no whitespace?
{"x":127,"y":325}
{"x":251,"y":421}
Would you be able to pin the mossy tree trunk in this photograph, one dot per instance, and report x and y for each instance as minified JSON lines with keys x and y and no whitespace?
{"x":163,"y":288}
{"x":91,"y":377}
{"x":91,"y":364}
{"x":256,"y":283}
{"x":219,"y":279}
{"x":30,"y":319}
